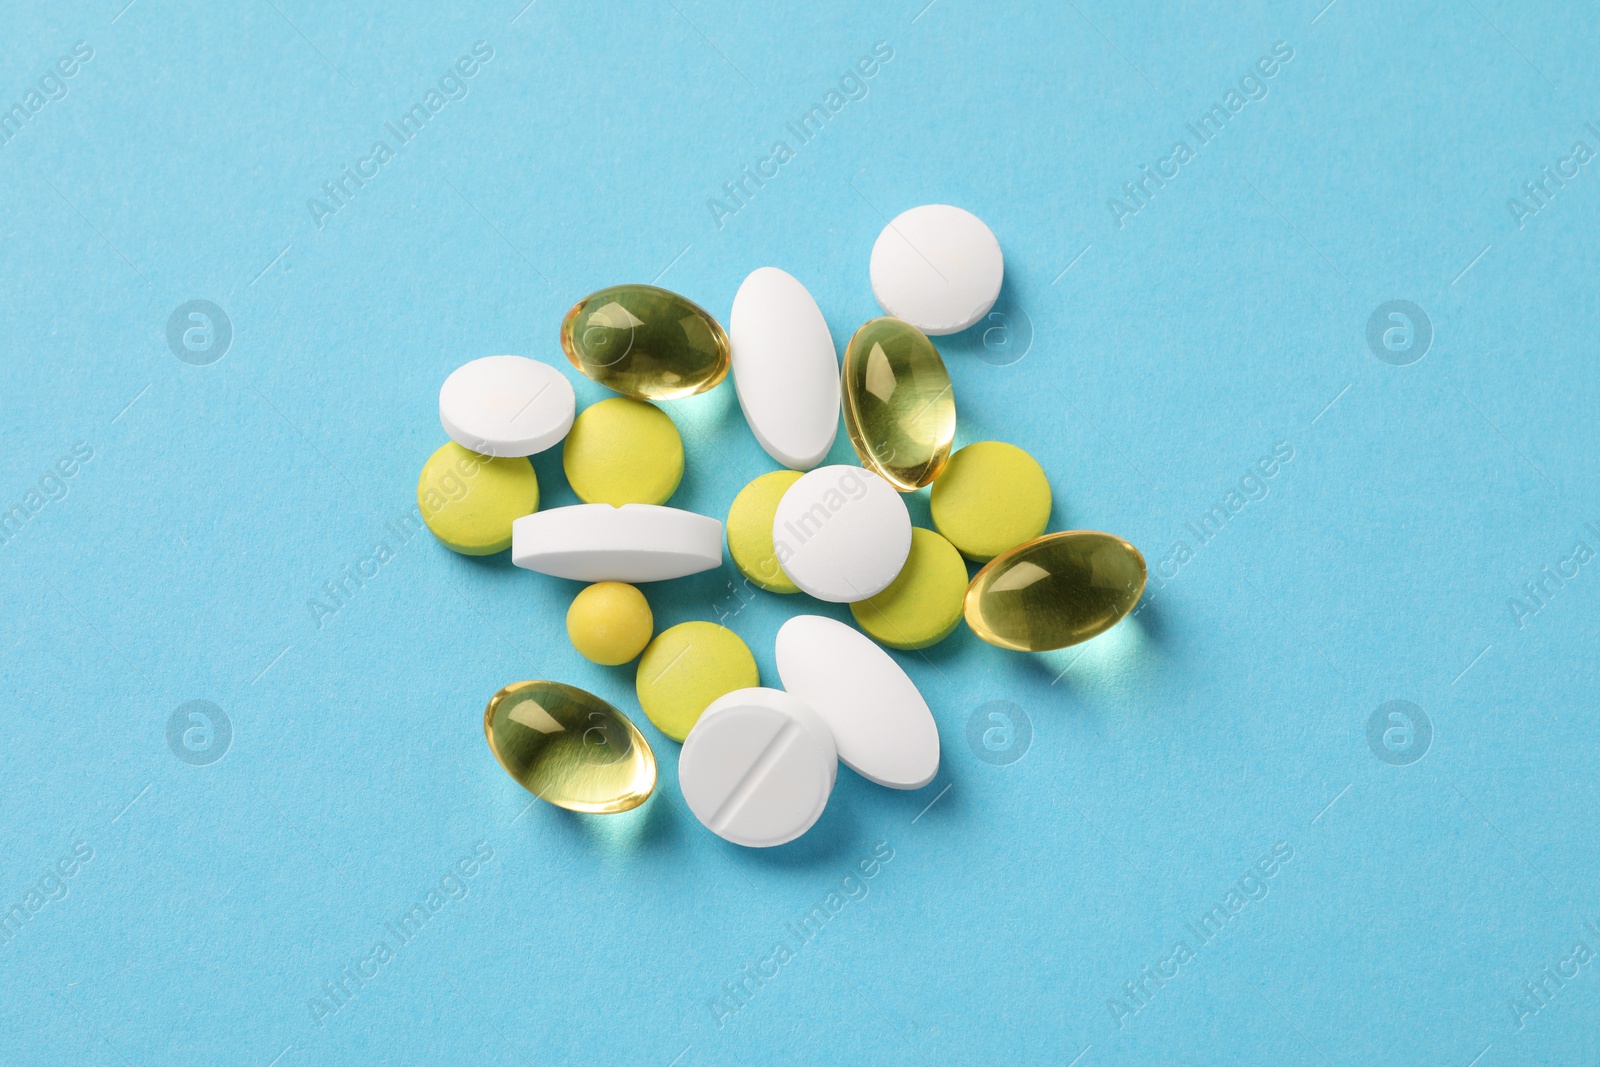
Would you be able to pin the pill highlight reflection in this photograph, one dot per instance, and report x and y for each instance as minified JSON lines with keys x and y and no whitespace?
{"x":645,"y":342}
{"x":899,"y":408}
{"x":1055,"y":591}
{"x":570,"y":748}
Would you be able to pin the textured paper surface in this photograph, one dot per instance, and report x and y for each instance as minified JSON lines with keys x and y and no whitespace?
{"x":1157,"y":357}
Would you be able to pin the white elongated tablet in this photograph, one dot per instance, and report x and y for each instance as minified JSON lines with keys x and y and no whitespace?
{"x":938,"y":268}
{"x":602,"y":543}
{"x":784,"y":368}
{"x":758,"y":767}
{"x":506,"y":406}
{"x":841,"y":533}
{"x":881,"y":724}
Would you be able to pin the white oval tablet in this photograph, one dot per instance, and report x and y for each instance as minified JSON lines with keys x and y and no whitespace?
{"x":784,"y":368}
{"x":841,"y":533}
{"x":602,"y":543}
{"x":506,"y":406}
{"x":758,"y":767}
{"x":881,"y":724}
{"x":938,"y":268}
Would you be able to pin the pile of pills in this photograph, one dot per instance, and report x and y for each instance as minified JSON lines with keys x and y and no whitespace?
{"x":759,"y":764}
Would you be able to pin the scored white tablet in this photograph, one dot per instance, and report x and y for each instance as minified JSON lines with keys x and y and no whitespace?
{"x":506,"y":406}
{"x":758,"y":767}
{"x":784,"y":368}
{"x":602,"y":543}
{"x":881,"y":724}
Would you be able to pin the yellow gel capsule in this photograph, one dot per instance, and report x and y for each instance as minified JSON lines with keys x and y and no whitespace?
{"x":750,"y":531}
{"x":899,"y":409}
{"x":609,"y":623}
{"x":1055,"y":591}
{"x":687,"y":667}
{"x":569,"y":747}
{"x":645,"y":342}
{"x":469,"y":501}
{"x":923,"y":604}
{"x":991,"y":496}
{"x":623,"y":451}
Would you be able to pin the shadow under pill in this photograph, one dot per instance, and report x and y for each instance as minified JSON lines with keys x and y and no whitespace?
{"x":827,"y":842}
{"x":652,"y":826}
{"x":554,"y":492}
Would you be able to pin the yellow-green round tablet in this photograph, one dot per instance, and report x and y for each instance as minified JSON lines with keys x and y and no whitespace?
{"x":687,"y":667}
{"x":469,"y":500}
{"x":623,"y":451}
{"x":990,"y":497}
{"x":923,"y":604}
{"x":609,"y":623}
{"x":750,"y":531}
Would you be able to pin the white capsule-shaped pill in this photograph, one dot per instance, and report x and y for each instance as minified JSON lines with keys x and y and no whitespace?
{"x":880,"y":723}
{"x":602,"y":543}
{"x":784,"y":368}
{"x":506,"y":406}
{"x":758,"y":767}
{"x":841,"y":533}
{"x":938,"y":268}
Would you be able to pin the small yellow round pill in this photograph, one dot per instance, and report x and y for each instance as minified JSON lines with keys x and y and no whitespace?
{"x":687,"y":667}
{"x":469,"y":500}
{"x":990,"y":497}
{"x":750,"y":531}
{"x":609,"y":623}
{"x":923,"y":604}
{"x":623,"y":451}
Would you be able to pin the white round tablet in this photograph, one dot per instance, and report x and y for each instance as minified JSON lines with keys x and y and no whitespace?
{"x":758,"y":767}
{"x":881,"y":724}
{"x":841,"y":533}
{"x":938,"y":268}
{"x":784,"y":368}
{"x":506,"y":406}
{"x":603,"y":543}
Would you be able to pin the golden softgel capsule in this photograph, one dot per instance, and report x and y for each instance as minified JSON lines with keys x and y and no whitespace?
{"x":645,"y":342}
{"x":1055,"y":591}
{"x":899,"y":409}
{"x":569,"y":747}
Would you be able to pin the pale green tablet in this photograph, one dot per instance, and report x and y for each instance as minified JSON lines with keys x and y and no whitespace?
{"x":686,"y":668}
{"x":990,"y":497}
{"x":623,"y":451}
{"x":923,"y":604}
{"x":469,"y":501}
{"x":750,"y":531}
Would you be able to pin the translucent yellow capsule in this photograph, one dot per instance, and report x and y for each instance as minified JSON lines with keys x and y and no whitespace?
{"x":1055,"y":591}
{"x":899,"y":408}
{"x":569,"y":747}
{"x":645,"y":342}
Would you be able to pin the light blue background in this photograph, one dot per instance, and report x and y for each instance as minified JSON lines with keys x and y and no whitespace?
{"x":1225,"y":317}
